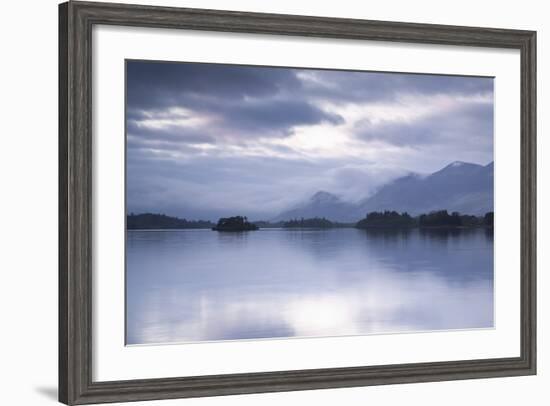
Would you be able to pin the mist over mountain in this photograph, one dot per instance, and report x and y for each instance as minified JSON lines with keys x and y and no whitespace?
{"x":460,"y":186}
{"x":321,"y":204}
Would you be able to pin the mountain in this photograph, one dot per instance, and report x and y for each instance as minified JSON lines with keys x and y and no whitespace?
{"x":321,"y":204}
{"x":460,"y":186}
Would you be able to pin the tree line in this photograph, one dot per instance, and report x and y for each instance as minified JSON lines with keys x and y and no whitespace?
{"x":315,"y":222}
{"x":152,"y":221}
{"x":439,"y":218}
{"x":382,"y":219}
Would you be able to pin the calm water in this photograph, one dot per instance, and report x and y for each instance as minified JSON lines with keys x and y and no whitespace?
{"x":195,"y":285}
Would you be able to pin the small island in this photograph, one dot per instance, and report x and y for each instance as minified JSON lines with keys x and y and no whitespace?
{"x":237,"y":223}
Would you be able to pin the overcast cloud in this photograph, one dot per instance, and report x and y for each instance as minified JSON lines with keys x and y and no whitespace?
{"x":205,"y":140}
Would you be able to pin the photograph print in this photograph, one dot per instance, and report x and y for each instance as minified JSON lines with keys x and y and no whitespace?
{"x":286,"y":202}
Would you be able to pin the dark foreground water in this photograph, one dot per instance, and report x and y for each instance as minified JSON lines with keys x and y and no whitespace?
{"x":195,"y":285}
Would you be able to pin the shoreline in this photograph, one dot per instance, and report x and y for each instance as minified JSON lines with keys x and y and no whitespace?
{"x":389,"y":228}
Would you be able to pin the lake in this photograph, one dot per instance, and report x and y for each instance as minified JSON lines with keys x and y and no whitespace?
{"x":202,"y":285}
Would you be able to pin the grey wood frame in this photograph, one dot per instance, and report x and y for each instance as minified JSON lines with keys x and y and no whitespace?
{"x":76,"y":20}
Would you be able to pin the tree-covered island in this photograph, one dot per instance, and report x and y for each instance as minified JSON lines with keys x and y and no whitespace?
{"x":434,"y":219}
{"x":236,"y":223}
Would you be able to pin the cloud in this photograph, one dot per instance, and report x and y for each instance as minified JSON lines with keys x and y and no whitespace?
{"x":210,"y":139}
{"x":259,"y":102}
{"x":466,"y":121}
{"x":346,"y":86}
{"x":162,"y":84}
{"x":224,"y":101}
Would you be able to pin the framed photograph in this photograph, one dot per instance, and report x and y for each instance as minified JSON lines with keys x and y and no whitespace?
{"x":257,"y":202}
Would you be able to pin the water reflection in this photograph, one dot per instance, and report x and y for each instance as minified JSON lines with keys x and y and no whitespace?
{"x":197,"y":285}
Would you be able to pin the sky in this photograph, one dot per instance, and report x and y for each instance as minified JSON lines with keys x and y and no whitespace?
{"x":211,"y":140}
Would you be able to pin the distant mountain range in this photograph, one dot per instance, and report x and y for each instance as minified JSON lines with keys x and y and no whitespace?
{"x":460,"y":186}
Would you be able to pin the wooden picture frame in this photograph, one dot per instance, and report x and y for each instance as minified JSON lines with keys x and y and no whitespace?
{"x":76,"y":20}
